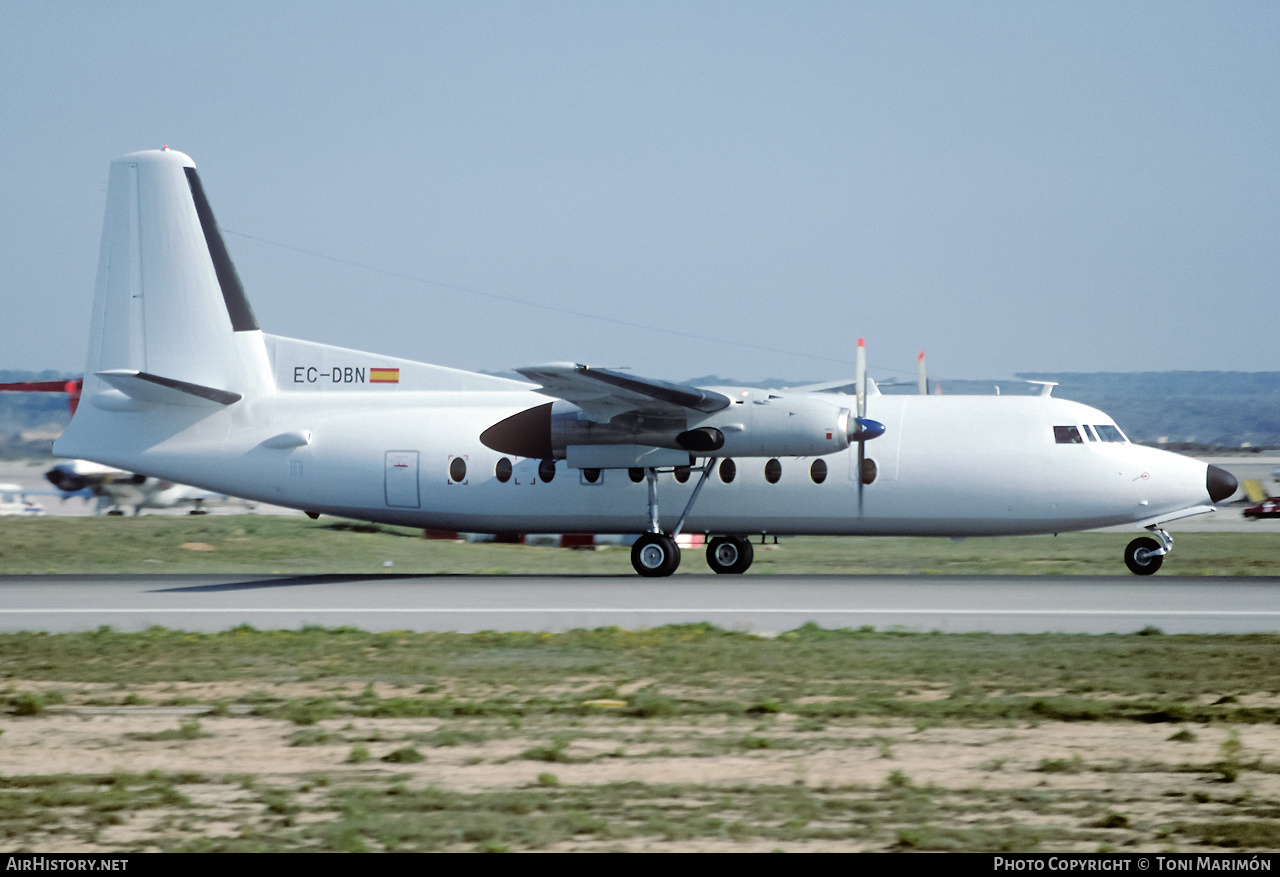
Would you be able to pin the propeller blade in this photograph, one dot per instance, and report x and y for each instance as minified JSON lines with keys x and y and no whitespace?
{"x":862,"y":449}
{"x":861,"y":378}
{"x":921,"y":379}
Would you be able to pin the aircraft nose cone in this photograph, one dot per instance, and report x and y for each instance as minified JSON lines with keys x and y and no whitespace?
{"x":1220,"y":483}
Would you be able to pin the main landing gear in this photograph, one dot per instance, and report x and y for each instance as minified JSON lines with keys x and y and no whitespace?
{"x":1144,"y":556}
{"x":730,"y":554}
{"x":656,"y":554}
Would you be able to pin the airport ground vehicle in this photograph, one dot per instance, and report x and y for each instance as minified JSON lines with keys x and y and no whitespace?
{"x":1267,"y":509}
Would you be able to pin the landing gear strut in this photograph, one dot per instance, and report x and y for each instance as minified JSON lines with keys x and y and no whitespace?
{"x":656,"y":553}
{"x":1144,"y":556}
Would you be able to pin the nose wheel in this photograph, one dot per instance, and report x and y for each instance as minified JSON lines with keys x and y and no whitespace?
{"x":1144,"y":556}
{"x":655,"y":555}
{"x":730,"y":554}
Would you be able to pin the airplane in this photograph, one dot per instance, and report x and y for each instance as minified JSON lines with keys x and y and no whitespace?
{"x":113,"y":488}
{"x":117,"y":488}
{"x":182,"y":382}
{"x":16,"y":501}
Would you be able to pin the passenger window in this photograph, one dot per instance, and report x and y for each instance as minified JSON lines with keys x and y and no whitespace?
{"x":818,"y":471}
{"x":1067,"y":435}
{"x":728,"y":471}
{"x":868,"y":471}
{"x":502,"y":471}
{"x":772,"y":471}
{"x":457,"y":470}
{"x":590,"y":476}
{"x":547,"y":471}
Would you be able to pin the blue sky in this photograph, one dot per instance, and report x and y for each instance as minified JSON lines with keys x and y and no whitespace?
{"x":1009,"y":186}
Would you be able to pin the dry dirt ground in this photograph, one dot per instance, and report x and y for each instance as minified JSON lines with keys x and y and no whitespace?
{"x":607,"y":782}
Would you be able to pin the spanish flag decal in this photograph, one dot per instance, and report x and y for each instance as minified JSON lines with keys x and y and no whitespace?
{"x":384,"y":375}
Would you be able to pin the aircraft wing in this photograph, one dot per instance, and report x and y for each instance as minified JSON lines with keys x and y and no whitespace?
{"x":603,"y":394}
{"x":845,"y":387}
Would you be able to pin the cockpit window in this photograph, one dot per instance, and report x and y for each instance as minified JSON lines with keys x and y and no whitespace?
{"x":1109,"y":433}
{"x":1089,"y":434}
{"x":1067,"y":435}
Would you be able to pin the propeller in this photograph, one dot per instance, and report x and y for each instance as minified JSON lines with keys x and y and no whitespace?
{"x":865,"y":428}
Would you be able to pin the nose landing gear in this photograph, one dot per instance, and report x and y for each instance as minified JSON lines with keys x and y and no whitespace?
{"x":1144,"y":556}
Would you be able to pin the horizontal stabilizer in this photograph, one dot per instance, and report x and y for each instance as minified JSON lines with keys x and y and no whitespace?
{"x":146,"y":387}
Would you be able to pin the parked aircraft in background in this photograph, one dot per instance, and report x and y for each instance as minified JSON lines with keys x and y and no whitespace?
{"x":117,"y":489}
{"x":181,"y":382}
{"x":14,"y":500}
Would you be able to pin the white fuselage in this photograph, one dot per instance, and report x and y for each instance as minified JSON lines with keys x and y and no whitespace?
{"x":947,"y":466}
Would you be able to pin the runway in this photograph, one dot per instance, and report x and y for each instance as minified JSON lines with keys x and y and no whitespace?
{"x":759,"y":604}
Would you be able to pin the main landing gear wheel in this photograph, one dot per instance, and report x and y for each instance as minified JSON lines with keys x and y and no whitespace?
{"x":1139,"y":558}
{"x":655,"y":555}
{"x":730,"y":554}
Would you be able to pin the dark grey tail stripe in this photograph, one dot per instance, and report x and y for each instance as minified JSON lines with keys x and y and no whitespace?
{"x":242,"y":318}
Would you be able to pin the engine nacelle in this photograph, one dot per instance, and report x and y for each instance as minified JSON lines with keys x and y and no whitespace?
{"x":763,"y":423}
{"x":758,"y":424}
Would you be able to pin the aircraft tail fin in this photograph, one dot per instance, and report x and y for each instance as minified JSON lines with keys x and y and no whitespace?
{"x":171,"y":327}
{"x":168,"y":301}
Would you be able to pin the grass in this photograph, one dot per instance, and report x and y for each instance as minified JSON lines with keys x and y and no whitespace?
{"x":691,"y":693}
{"x":187,"y":730}
{"x":254,"y":545}
{"x":692,"y":669}
{"x":551,"y":815}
